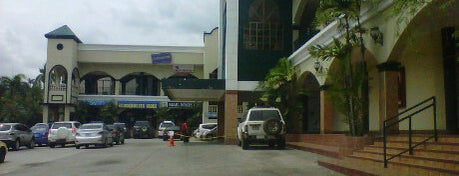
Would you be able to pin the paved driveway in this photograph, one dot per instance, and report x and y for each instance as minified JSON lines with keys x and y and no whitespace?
{"x":155,"y":157}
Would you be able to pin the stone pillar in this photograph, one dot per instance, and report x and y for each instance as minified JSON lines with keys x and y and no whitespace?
{"x":67,"y":113}
{"x":117,"y":87}
{"x":231,"y":116}
{"x":205,"y":110}
{"x":326,"y":112}
{"x":45,"y":114}
{"x":388,"y":95}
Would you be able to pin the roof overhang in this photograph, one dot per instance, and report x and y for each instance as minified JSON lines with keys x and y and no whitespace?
{"x":194,"y":89}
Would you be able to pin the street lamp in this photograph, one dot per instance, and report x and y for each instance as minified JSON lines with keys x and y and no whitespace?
{"x":376,"y":35}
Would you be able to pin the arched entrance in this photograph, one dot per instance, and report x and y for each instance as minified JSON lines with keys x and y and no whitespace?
{"x":310,"y":100}
{"x":140,"y":83}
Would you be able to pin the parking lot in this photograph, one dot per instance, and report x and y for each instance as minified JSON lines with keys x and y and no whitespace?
{"x":155,"y":157}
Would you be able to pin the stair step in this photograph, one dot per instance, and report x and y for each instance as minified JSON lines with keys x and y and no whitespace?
{"x":412,"y":160}
{"x":331,"y":151}
{"x":403,"y":166}
{"x":454,"y":156}
{"x":453,"y":139}
{"x":427,"y":146}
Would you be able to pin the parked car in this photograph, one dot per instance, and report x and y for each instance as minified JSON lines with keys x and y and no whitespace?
{"x":40,"y":132}
{"x":3,"y":151}
{"x":117,"y":134}
{"x":93,"y":134}
{"x":162,"y":126}
{"x":62,"y":133}
{"x":210,"y":134}
{"x":143,"y":129}
{"x":16,"y":135}
{"x":203,"y":128}
{"x":261,"y":125}
{"x":177,"y":132}
{"x":123,"y":127}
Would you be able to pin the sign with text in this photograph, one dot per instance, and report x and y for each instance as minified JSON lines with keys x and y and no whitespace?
{"x":161,"y":58}
{"x":138,"y":104}
{"x":96,"y":102}
{"x":180,"y":104}
{"x":183,"y":68}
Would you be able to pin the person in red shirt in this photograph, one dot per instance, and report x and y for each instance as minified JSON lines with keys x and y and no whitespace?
{"x":185,"y":134}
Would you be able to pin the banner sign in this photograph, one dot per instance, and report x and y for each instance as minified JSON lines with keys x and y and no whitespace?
{"x":183,"y":68}
{"x":96,"y":102}
{"x":180,"y":104}
{"x":161,"y":58}
{"x":138,"y":104}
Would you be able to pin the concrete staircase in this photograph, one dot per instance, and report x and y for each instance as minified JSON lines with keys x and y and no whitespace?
{"x":431,"y":158}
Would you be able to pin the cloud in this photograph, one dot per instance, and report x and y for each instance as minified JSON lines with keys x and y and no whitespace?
{"x":134,"y":22}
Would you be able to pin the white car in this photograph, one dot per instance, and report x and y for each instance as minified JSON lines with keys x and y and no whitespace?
{"x":62,"y":133}
{"x":261,"y":125}
{"x":203,"y":128}
{"x":163,"y":125}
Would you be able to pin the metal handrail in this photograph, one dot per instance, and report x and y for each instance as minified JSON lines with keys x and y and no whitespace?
{"x":426,"y":104}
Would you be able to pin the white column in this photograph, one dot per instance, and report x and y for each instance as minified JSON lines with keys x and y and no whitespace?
{"x":45,"y":114}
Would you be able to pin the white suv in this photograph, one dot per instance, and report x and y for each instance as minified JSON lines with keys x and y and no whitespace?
{"x":62,"y":133}
{"x":261,"y":125}
{"x":162,"y":126}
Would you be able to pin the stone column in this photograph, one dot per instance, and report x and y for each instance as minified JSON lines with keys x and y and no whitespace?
{"x":205,"y":110}
{"x":231,"y":116}
{"x":117,"y":87}
{"x":326,"y":112}
{"x":388,"y":95}
{"x":45,"y":114}
{"x":67,"y":113}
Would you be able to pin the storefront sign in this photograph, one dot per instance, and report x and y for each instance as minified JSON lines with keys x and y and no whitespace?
{"x":161,"y":58}
{"x":183,"y":68}
{"x":138,"y":104}
{"x":180,"y":104}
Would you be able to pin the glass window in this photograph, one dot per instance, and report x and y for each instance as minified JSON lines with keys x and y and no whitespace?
{"x":58,"y":125}
{"x":91,"y":126}
{"x":263,"y":115}
{"x":5,"y":127}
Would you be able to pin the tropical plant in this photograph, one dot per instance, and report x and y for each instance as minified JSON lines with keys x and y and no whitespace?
{"x":280,"y":89}
{"x":109,"y":112}
{"x":349,"y":89}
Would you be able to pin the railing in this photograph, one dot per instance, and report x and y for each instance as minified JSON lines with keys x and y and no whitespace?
{"x":422,"y":106}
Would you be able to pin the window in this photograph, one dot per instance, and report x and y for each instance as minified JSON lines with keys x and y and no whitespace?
{"x":264,"y":31}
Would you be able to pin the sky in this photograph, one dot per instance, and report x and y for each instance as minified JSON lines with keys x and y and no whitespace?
{"x":23,"y":24}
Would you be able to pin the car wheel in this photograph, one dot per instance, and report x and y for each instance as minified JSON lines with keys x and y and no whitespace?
{"x":2,"y":155}
{"x":271,"y":144}
{"x":272,"y":126}
{"x":16,"y":145}
{"x":51,"y":145}
{"x":77,"y":146}
{"x":245,"y":144}
{"x":238,"y":142}
{"x":31,"y":144}
{"x":117,"y":142}
{"x":63,"y":145}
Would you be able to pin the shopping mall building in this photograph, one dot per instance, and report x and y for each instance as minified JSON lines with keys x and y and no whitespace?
{"x":407,"y":62}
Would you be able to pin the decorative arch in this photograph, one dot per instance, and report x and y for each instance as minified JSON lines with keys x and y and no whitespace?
{"x":140,"y":83}
{"x":310,"y":101}
{"x":58,"y":78}
{"x":97,"y":83}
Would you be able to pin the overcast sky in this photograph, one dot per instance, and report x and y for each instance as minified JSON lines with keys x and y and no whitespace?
{"x":23,"y":24}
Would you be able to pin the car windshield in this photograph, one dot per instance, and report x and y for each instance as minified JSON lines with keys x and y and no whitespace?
{"x":90,"y":126}
{"x":5,"y":127}
{"x":175,"y":128}
{"x":209,"y":126}
{"x":167,"y":125}
{"x":58,"y":125}
{"x":39,"y":127}
{"x":120,"y":125}
{"x":142,"y":123}
{"x":262,"y":115}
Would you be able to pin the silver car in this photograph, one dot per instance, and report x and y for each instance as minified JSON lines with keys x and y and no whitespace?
{"x":16,"y":135}
{"x":93,"y":134}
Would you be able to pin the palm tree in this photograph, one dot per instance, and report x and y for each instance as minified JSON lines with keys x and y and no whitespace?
{"x":280,"y":88}
{"x":349,"y":90}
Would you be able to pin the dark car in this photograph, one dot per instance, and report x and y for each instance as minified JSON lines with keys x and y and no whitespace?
{"x":40,"y":132}
{"x":122,"y":126}
{"x":143,"y":129}
{"x":117,"y":133}
{"x":177,"y":132}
